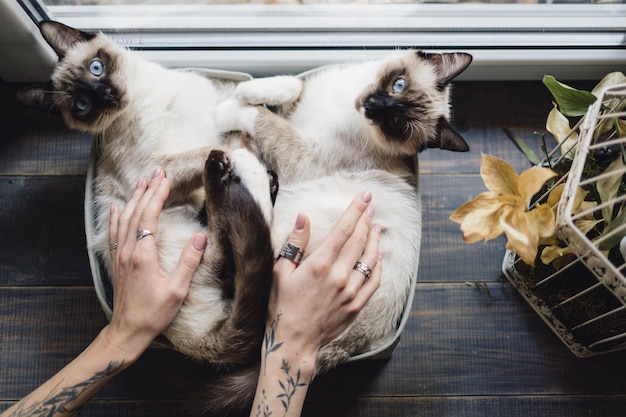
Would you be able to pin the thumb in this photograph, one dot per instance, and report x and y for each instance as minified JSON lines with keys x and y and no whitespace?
{"x":190,"y":257}
{"x":298,"y":237}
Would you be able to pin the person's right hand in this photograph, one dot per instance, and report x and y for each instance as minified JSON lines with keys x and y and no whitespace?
{"x":319,"y":298}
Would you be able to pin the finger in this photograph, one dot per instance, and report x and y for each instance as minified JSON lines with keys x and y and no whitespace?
{"x":125,"y":232}
{"x":344,"y":228}
{"x":114,"y":216}
{"x":356,"y":244}
{"x":370,"y":286}
{"x":149,"y":207}
{"x":298,"y":237}
{"x":368,"y":260}
{"x":189,"y":261}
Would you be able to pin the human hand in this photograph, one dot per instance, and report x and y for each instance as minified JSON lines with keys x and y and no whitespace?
{"x":318,"y":299}
{"x":145,"y":300}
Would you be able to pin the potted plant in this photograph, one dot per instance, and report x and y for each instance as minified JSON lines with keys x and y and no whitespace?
{"x":565,"y":218}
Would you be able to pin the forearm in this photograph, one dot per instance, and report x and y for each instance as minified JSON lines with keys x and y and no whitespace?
{"x":71,"y":388}
{"x":287,"y":368}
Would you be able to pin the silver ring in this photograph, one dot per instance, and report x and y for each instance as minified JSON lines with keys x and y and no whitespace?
{"x":363,"y":268}
{"x":141,"y":233}
{"x":291,"y":252}
{"x":113,"y":246}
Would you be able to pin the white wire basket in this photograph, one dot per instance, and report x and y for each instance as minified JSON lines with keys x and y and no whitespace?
{"x":582,"y":294}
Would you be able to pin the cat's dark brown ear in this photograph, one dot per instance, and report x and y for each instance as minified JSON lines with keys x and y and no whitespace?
{"x":38,"y":97}
{"x":447,"y":65}
{"x":448,"y":138}
{"x":61,"y":37}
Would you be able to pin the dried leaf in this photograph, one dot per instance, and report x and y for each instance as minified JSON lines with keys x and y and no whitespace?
{"x":608,"y":187}
{"x":516,"y":226}
{"x":498,"y":175}
{"x":558,"y":125}
{"x":621,"y":127}
{"x":531,"y":181}
{"x":609,"y":80}
{"x":551,"y":253}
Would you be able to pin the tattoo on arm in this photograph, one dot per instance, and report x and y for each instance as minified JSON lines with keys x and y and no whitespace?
{"x":263,"y":410}
{"x":57,"y":402}
{"x":290,"y":386}
{"x":270,"y":341}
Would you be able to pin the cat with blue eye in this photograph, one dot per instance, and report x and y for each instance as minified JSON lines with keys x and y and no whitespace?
{"x":144,"y":116}
{"x":336,"y":131}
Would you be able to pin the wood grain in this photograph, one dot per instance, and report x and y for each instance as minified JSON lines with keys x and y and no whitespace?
{"x":472,"y":346}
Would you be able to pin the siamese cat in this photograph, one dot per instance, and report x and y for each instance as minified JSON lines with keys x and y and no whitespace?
{"x":337,"y":131}
{"x":145,"y":116}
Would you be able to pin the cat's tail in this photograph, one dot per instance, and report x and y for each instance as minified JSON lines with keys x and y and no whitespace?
{"x":230,"y":394}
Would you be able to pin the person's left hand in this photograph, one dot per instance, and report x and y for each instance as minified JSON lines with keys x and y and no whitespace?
{"x":145,"y":300}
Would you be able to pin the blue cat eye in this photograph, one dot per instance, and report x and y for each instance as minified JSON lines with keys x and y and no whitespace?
{"x":96,"y":67}
{"x":82,"y":103}
{"x":398,"y":85}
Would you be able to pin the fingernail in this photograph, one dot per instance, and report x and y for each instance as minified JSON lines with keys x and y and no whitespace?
{"x":377,"y":228}
{"x":156,"y":172}
{"x":199,"y":242}
{"x":300,"y":222}
{"x":140,"y":183}
{"x":370,"y":211}
{"x":366,"y":196}
{"x":112,"y":209}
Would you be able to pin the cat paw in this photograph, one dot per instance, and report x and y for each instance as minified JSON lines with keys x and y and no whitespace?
{"x":217,"y":170}
{"x":272,"y":91}
{"x":231,"y":116}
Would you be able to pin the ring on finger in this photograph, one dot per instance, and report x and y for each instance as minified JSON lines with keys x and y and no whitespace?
{"x":363,"y":268}
{"x":141,"y":233}
{"x":113,"y":246}
{"x":291,"y":252}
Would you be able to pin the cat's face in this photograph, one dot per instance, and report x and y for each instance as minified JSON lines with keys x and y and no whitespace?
{"x":87,"y":85}
{"x":409,"y":101}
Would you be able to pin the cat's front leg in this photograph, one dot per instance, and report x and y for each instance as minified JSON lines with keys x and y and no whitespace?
{"x":273,"y":91}
{"x":185,"y":172}
{"x":231,"y":116}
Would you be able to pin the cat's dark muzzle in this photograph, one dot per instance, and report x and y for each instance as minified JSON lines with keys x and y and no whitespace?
{"x":99,"y":92}
{"x":388,"y":113}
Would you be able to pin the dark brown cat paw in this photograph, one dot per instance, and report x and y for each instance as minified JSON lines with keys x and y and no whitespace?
{"x":217,"y":168}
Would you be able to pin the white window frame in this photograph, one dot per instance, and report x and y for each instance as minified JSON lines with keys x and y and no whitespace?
{"x":508,"y":41}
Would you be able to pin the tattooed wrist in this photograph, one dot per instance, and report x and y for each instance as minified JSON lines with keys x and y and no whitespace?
{"x":61,"y":401}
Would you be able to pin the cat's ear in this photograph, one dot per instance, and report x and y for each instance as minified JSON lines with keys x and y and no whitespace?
{"x":448,"y":138}
{"x":447,"y":65}
{"x":38,"y":97}
{"x":62,"y":38}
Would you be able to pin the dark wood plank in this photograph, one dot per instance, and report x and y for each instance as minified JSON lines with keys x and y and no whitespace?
{"x":443,"y":255}
{"x":539,"y":406}
{"x":43,"y":235}
{"x":460,"y":341}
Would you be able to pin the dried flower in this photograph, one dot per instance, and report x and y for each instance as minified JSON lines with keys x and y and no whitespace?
{"x":505,"y":208}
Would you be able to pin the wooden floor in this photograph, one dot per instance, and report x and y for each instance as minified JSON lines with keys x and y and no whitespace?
{"x":472,"y":347}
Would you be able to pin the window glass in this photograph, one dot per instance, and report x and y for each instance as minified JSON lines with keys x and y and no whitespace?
{"x":508,"y":38}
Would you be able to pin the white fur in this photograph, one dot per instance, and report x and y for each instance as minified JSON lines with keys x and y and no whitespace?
{"x":280,"y":89}
{"x":255,"y":178}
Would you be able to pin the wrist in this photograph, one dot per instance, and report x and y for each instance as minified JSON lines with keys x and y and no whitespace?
{"x":127,"y":347}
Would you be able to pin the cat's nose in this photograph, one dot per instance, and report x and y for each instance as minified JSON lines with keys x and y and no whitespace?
{"x":105,"y":93}
{"x":375,"y":105}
